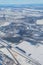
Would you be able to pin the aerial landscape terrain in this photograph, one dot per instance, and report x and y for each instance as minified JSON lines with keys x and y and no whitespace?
{"x":21,"y":34}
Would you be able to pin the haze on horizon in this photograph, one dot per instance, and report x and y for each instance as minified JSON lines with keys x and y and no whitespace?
{"x":21,"y":1}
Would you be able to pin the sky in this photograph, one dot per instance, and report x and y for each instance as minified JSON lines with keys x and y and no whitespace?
{"x":21,"y":1}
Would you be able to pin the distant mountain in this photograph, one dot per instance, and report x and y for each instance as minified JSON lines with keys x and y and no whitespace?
{"x":22,"y":5}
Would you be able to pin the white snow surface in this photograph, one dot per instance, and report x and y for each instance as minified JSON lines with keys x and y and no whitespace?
{"x":35,"y":51}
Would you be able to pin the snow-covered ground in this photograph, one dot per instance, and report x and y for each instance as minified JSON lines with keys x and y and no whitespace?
{"x":35,"y":51}
{"x":36,"y":55}
{"x":39,"y":22}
